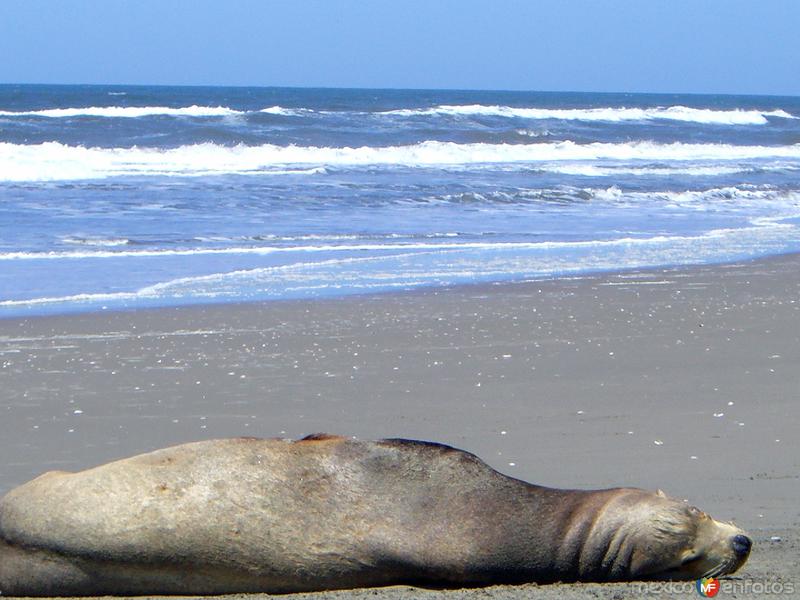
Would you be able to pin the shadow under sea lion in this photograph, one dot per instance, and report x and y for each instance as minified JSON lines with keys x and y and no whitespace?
{"x":326,"y":512}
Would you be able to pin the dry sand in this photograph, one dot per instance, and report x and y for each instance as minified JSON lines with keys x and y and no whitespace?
{"x":686,"y":380}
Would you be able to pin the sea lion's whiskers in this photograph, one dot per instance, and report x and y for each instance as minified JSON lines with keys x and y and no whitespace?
{"x":722,"y":568}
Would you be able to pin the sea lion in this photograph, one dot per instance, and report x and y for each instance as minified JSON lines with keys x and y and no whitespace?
{"x":326,"y":512}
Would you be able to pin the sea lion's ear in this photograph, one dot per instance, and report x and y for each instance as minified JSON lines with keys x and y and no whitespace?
{"x":661,"y":494}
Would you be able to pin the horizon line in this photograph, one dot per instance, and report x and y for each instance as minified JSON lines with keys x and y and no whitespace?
{"x":395,"y":89}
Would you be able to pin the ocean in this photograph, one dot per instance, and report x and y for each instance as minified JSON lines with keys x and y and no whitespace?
{"x":117,"y":197}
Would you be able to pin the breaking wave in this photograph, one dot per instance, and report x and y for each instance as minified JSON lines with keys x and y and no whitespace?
{"x":127,"y":111}
{"x":53,"y":161}
{"x":671,"y":113}
{"x":608,"y":114}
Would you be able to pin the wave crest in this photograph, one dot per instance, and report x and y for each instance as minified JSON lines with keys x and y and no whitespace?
{"x":126,"y":112}
{"x":610,"y":114}
{"x":53,"y":161}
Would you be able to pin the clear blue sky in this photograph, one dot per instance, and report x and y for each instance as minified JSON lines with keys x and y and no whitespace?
{"x":714,"y":46}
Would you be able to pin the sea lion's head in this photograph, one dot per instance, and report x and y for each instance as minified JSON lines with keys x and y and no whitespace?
{"x":661,"y":538}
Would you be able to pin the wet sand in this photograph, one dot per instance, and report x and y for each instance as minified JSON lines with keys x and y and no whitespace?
{"x":681,"y":379}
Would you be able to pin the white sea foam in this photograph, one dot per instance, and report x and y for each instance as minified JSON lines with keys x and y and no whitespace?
{"x":739,"y":198}
{"x":447,"y":263}
{"x":264,"y":250}
{"x":611,"y":114}
{"x":533,"y":133}
{"x":95,"y":241}
{"x":52,"y":161}
{"x":126,"y":111}
{"x":361,"y":247}
{"x":590,"y":170}
{"x":330,"y":237}
{"x":185,"y":285}
{"x":74,"y":298}
{"x":744,"y":200}
{"x":699,"y":200}
{"x":286,"y":112}
{"x":149,"y":111}
{"x":608,"y":114}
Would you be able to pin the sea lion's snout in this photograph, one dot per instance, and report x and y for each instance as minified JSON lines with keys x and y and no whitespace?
{"x":741,"y":545}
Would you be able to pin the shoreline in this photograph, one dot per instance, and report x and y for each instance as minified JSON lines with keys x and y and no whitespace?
{"x":675,"y":378}
{"x":424,"y":290}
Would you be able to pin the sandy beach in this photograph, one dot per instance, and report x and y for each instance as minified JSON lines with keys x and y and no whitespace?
{"x":681,"y":379}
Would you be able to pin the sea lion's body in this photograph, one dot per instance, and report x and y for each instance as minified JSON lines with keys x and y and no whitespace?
{"x":247,"y":515}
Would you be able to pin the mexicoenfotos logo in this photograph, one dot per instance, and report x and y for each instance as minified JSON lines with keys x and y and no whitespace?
{"x":708,"y":587}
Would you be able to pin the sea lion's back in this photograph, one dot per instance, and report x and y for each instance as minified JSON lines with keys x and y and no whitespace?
{"x":247,"y":501}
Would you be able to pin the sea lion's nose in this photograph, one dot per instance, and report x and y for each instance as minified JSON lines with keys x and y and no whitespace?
{"x":741,"y":545}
